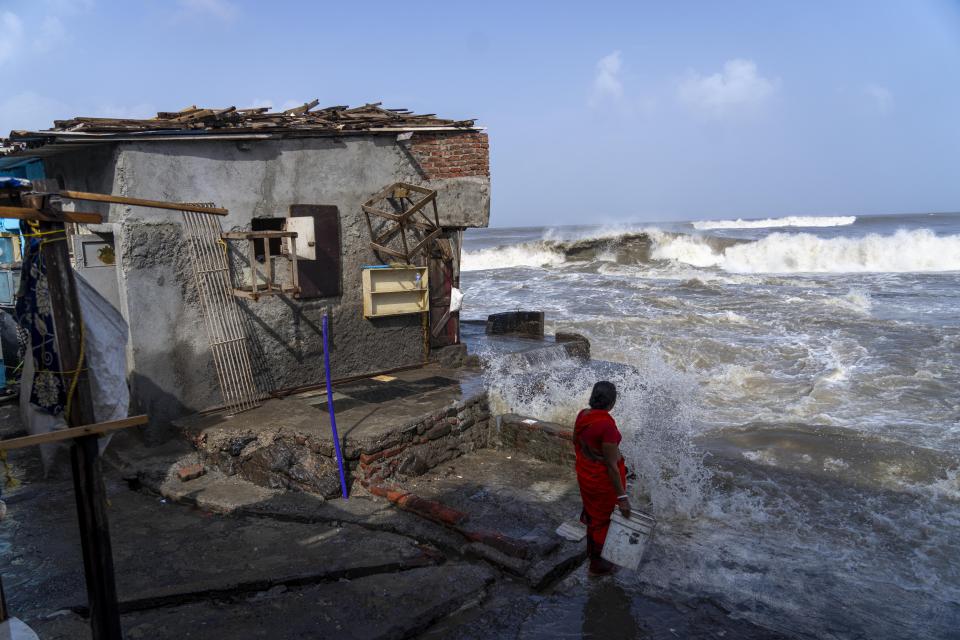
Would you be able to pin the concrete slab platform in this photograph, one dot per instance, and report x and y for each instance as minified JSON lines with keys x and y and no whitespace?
{"x":379,"y":406}
{"x":505,"y":491}
{"x":165,"y":553}
{"x":381,"y":607}
{"x":513,"y":504}
{"x":582,"y":607}
{"x":287,"y":443}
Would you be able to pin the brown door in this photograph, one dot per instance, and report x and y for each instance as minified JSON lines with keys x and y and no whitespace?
{"x":444,"y":326}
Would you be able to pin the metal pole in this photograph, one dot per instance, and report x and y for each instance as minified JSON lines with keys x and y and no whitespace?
{"x":333,"y":417}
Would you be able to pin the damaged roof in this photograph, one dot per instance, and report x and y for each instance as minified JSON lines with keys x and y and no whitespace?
{"x":203,"y":123}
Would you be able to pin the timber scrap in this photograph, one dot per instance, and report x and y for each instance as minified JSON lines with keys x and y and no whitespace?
{"x":303,"y":120}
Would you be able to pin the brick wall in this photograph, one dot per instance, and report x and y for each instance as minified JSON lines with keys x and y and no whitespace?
{"x":426,"y":444}
{"x":451,"y":155}
{"x":544,"y":441}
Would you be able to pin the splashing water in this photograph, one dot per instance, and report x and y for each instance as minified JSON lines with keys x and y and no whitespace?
{"x":656,"y":411}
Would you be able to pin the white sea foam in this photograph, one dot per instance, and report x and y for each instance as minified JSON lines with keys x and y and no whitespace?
{"x":919,"y":250}
{"x":656,"y":411}
{"x":519,"y":255}
{"x":789,"y":221}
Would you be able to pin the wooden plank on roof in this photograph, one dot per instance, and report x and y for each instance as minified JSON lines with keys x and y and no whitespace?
{"x":302,"y":108}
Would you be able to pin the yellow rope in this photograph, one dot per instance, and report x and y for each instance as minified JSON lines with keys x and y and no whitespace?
{"x":76,"y":374}
{"x":37,"y":234}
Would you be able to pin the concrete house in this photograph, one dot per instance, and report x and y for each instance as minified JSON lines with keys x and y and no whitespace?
{"x":318,"y":166}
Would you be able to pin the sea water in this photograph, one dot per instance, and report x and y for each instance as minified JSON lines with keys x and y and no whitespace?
{"x":790,"y":409}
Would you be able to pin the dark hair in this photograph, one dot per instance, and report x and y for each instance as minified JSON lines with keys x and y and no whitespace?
{"x":604,"y":396}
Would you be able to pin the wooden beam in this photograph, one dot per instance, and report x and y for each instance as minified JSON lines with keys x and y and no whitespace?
{"x":388,"y":250}
{"x":4,"y":612}
{"x":88,"y":486}
{"x":257,"y":235}
{"x":140,"y":202}
{"x":71,"y":433}
{"x":26,"y":213}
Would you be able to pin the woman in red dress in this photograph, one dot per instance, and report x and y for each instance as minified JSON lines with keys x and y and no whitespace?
{"x":601,"y":472}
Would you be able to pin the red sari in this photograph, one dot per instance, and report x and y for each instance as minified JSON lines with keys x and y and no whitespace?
{"x":592,"y":429}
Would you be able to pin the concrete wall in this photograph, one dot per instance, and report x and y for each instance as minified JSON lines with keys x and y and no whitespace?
{"x":169,"y":357}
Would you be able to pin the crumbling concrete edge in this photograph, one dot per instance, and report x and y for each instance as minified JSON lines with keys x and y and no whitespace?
{"x":511,"y":555}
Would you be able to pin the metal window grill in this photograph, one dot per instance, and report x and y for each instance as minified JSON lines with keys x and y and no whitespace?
{"x":225,"y":329}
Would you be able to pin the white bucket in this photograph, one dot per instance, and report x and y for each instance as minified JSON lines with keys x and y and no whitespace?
{"x":15,"y":629}
{"x":627,"y":539}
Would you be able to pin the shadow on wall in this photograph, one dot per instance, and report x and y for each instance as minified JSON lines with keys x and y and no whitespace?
{"x":252,"y":150}
{"x":160,"y":406}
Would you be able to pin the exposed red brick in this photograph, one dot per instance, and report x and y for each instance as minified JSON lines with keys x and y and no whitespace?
{"x":499,"y":541}
{"x":367,"y":458}
{"x":433,"y":510}
{"x":446,"y":155}
{"x":429,"y":509}
{"x":190,"y":472}
{"x":392,"y":452}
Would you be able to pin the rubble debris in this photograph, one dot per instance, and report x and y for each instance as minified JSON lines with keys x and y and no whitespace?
{"x":305,"y":119}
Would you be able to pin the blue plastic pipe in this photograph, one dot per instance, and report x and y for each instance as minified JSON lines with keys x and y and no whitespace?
{"x":333,"y":417}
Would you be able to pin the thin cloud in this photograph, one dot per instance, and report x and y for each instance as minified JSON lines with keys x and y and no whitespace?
{"x":140,"y":111}
{"x":881,"y":97}
{"x":607,"y":83}
{"x":737,"y":86}
{"x":30,"y":111}
{"x":12,"y":29}
{"x":272,"y":105}
{"x":52,"y":33}
{"x":223,"y":10}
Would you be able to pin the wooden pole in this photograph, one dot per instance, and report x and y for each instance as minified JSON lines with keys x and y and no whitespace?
{"x":88,"y":484}
{"x":4,"y":612}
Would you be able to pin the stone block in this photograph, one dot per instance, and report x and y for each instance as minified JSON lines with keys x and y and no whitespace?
{"x":190,"y":472}
{"x":438,"y":431}
{"x":577,"y":345}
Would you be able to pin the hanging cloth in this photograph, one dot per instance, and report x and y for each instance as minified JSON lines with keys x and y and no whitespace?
{"x":34,"y":314}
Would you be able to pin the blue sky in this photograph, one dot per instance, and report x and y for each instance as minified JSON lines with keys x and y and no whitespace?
{"x":597,"y":112}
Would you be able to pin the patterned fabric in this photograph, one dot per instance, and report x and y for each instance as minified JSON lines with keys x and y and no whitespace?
{"x":34,"y":314}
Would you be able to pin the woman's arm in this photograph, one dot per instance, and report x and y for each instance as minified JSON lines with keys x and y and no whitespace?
{"x":611,"y":456}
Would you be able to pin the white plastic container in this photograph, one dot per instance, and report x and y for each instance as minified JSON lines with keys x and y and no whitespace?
{"x":627,"y":539}
{"x":15,"y":629}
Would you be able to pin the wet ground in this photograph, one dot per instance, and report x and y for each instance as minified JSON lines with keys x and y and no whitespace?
{"x":220,"y":558}
{"x":365,"y":409}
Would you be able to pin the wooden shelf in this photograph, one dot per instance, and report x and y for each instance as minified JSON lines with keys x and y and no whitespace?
{"x":383,"y":288}
{"x":395,"y":291}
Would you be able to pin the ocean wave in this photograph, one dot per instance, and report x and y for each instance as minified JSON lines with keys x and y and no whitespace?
{"x":906,"y":251}
{"x":537,"y":254}
{"x":919,"y":250}
{"x":627,"y":246}
{"x":789,"y":221}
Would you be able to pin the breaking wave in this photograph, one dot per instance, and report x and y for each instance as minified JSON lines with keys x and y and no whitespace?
{"x":902,"y":252}
{"x":520,"y":255}
{"x":657,"y":411}
{"x":789,"y":221}
{"x":918,"y":250}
